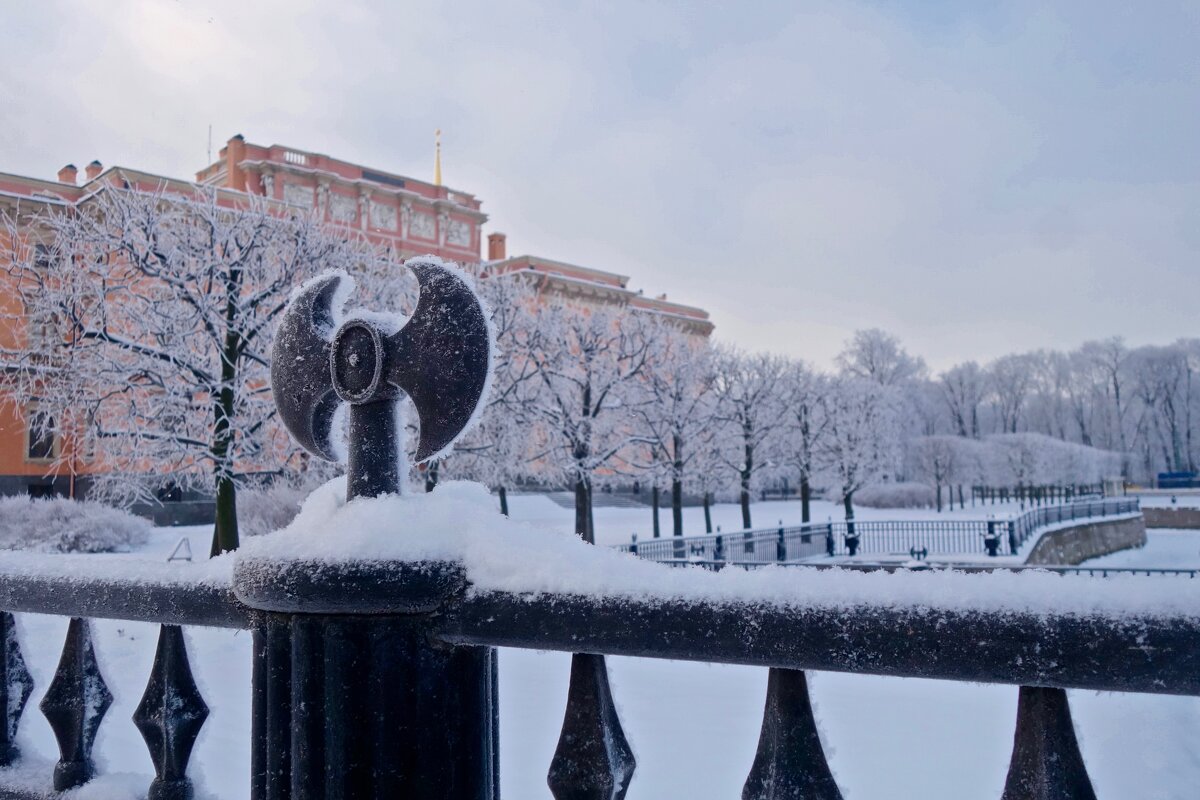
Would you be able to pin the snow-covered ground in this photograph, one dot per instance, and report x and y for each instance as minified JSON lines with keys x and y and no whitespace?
{"x":694,"y":727}
{"x":1165,"y":547}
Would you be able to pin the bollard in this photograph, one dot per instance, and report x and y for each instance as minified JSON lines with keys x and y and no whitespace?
{"x":991,"y":541}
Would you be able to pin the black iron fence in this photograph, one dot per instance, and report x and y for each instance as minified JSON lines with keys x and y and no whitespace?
{"x":356,"y":665}
{"x":876,"y":537}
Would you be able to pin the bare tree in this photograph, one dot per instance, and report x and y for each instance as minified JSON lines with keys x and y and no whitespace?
{"x":674,"y":421}
{"x":587,"y":361}
{"x":750,"y":406}
{"x":162,"y":308}
{"x":1010,"y":378}
{"x":806,"y":423}
{"x":877,"y":355}
{"x":861,"y":443}
{"x":496,"y":452}
{"x":936,"y":460}
{"x":963,"y":388}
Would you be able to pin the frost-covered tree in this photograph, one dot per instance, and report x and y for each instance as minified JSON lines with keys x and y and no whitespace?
{"x":878,"y":356}
{"x":801,"y":438}
{"x":496,"y":451}
{"x":674,"y":419}
{"x":936,"y":461}
{"x":963,"y":387}
{"x":1010,"y":378}
{"x":751,"y":411}
{"x":160,"y":309}
{"x":861,"y":442}
{"x":587,"y":361}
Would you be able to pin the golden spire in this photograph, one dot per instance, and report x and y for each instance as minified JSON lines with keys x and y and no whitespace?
{"x":437,"y":158}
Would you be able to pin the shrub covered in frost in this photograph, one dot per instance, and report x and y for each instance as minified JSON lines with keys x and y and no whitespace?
{"x":59,"y":525}
{"x":270,"y":508}
{"x":895,"y":495}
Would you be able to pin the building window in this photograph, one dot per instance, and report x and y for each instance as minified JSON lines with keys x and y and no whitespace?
{"x":42,"y":438}
{"x":41,"y":256}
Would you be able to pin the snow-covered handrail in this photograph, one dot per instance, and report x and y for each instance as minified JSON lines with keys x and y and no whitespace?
{"x":96,"y":586}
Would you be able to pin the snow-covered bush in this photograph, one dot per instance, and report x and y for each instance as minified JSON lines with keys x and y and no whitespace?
{"x":270,"y":508}
{"x":895,"y":495}
{"x":59,"y":525}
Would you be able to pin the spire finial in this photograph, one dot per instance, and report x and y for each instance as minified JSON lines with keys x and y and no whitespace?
{"x":437,"y":157}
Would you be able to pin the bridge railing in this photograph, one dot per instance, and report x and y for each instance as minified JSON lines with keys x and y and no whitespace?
{"x":318,"y":675}
{"x":876,"y":537}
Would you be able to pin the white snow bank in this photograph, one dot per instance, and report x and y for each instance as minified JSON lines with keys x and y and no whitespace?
{"x":459,"y":522}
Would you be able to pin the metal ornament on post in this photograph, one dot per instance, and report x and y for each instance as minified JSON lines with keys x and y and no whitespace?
{"x":351,"y":696}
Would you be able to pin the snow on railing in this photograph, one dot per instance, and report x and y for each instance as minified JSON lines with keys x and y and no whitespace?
{"x":474,"y":581}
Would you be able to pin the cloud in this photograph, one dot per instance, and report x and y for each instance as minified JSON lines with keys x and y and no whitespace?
{"x":976,"y":180}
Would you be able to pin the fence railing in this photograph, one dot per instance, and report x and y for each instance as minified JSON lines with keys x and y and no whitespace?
{"x":402,"y":652}
{"x":876,"y":537}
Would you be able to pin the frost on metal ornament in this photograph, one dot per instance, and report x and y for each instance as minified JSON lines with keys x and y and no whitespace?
{"x":440,"y":359}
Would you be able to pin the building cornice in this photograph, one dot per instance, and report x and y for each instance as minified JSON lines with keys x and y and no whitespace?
{"x":362,"y":185}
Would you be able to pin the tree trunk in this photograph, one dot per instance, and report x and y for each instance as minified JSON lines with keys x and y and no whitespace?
{"x":677,"y":507}
{"x":805,"y":498}
{"x":225,"y":533}
{"x":745,"y":501}
{"x":591,"y":513}
{"x":503,"y":500}
{"x":431,"y":476}
{"x":225,"y":529}
{"x":654,"y":503}
{"x":747,"y":473}
{"x":848,"y":504}
{"x":939,"y":498}
{"x":707,"y":512}
{"x":582,"y":510}
{"x":677,"y":487}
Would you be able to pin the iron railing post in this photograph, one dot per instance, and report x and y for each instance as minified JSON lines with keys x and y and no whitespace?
{"x":355,"y":700}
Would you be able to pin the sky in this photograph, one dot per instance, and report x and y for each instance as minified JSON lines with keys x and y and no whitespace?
{"x":976,"y":178}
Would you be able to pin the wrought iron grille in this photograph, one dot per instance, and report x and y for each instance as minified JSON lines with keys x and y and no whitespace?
{"x":875,"y":537}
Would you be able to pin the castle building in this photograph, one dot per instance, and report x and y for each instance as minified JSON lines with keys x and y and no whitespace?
{"x":408,"y":215}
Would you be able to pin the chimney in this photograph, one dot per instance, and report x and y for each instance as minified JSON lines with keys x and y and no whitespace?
{"x":68,"y":174}
{"x":93,"y":170}
{"x":235,"y":154}
{"x":497,"y":247}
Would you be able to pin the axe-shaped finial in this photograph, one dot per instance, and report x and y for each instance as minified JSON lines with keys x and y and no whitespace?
{"x":440,"y":359}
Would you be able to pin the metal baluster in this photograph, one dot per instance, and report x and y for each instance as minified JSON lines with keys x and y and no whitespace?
{"x":593,"y":760}
{"x":74,"y":704}
{"x":15,"y":687}
{"x":790,"y":762}
{"x":1046,"y":763}
{"x":170,"y":716}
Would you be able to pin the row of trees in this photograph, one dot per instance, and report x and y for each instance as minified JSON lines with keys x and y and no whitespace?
{"x":588,"y":396}
{"x":159,"y":309}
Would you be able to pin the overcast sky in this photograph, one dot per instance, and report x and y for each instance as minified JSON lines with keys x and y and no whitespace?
{"x":978,"y":178}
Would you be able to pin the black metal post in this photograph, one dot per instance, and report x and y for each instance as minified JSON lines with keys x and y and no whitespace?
{"x":370,"y":707}
{"x":374,"y":465}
